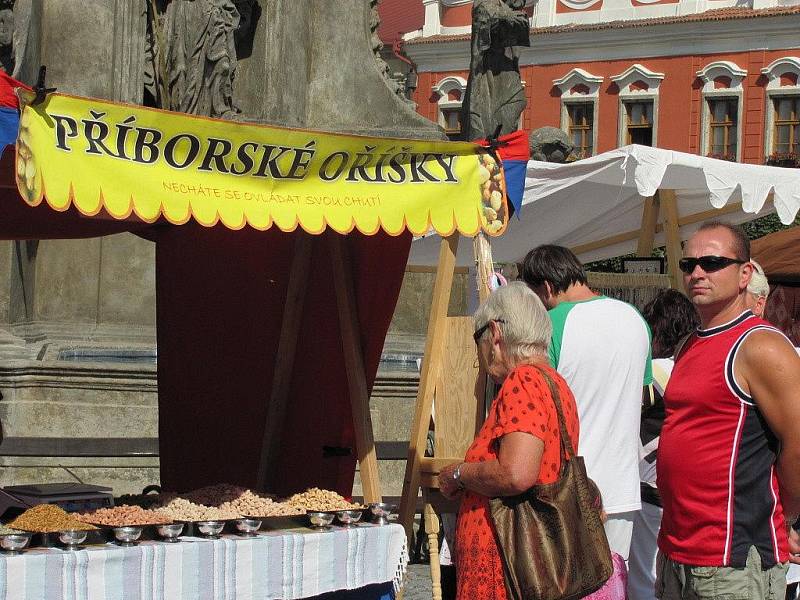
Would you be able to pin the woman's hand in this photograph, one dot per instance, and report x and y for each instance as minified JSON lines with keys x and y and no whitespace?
{"x":449,"y":486}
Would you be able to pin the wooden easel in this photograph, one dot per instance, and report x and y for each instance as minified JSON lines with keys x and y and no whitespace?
{"x":351,"y":351}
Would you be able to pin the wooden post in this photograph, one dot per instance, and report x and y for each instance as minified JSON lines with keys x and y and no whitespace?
{"x":669,"y":204}
{"x":483,"y":264}
{"x":284,"y":362}
{"x":432,"y":529}
{"x":354,"y":365}
{"x":649,"y":222}
{"x":431,"y":364}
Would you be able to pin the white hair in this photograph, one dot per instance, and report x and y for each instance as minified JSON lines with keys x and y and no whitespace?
{"x":758,"y":286}
{"x":526,"y":327}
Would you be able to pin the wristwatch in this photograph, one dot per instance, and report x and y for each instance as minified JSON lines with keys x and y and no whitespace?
{"x":457,"y":477}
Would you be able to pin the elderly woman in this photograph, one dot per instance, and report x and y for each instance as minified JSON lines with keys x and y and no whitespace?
{"x":518,"y":445}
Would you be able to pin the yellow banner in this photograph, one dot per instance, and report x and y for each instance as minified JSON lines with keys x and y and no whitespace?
{"x":127,"y":159}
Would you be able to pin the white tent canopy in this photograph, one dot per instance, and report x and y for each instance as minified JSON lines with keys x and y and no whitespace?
{"x":598,"y":206}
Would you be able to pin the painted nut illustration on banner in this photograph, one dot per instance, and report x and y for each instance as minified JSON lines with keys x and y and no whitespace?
{"x":27,"y":176}
{"x":491,"y":182}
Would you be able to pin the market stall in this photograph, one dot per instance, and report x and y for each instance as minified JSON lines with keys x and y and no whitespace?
{"x":627,"y":200}
{"x":279,"y":258}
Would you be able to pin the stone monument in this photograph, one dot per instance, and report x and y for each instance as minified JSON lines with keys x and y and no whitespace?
{"x":495,"y":96}
{"x":551,"y":144}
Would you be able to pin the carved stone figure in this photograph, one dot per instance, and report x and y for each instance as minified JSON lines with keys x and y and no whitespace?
{"x":495,"y":95}
{"x":550,"y":144}
{"x":199,"y":39}
{"x":7,"y":37}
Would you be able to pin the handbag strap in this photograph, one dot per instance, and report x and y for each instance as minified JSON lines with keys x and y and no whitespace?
{"x":567,"y":448}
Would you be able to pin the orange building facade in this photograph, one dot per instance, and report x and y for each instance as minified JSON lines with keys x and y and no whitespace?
{"x":701,"y":77}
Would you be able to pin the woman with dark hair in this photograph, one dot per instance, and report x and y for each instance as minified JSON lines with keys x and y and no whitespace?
{"x":671,"y":317}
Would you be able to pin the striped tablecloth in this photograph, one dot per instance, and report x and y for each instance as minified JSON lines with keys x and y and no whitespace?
{"x":272,"y":565}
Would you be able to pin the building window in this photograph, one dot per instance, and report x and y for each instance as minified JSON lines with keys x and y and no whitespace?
{"x":452,"y":121}
{"x":580,"y":98}
{"x":723,"y":94}
{"x":450,"y":91}
{"x":722,"y":127}
{"x":786,"y":132}
{"x":639,"y":122}
{"x":581,"y":127}
{"x":638,"y":105}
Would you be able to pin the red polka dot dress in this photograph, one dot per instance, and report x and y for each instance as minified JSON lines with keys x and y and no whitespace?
{"x":523,"y":404}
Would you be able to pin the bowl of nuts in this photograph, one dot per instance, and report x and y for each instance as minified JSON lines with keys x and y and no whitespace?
{"x":209,"y":529}
{"x":14,"y":543}
{"x":170,"y":531}
{"x":72,"y":538}
{"x":248,"y":527}
{"x":320,"y":519}
{"x":127,"y":535}
{"x":381,"y":511}
{"x":348,"y":518}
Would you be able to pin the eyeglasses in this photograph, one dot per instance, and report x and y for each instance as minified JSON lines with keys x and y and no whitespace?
{"x":709,"y":264}
{"x":481,"y":330}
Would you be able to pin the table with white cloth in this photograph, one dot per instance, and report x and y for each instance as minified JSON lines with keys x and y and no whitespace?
{"x":367,"y":559}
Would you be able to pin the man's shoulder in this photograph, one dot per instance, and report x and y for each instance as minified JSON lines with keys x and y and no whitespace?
{"x":601,"y":307}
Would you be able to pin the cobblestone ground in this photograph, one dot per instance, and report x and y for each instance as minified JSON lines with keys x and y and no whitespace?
{"x":418,"y":583}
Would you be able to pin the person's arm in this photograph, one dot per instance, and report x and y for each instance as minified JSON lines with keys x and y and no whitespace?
{"x":768,"y":367}
{"x":515,"y":471}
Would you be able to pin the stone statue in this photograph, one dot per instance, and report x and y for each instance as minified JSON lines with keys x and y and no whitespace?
{"x":551,"y":144}
{"x":200,"y":40}
{"x":7,"y":37}
{"x":495,"y":95}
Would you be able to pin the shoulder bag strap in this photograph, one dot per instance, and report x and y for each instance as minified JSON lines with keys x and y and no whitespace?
{"x":567,"y":448}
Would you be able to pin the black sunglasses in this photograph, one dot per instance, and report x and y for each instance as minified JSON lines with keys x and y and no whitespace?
{"x":709,"y":264}
{"x":481,"y":330}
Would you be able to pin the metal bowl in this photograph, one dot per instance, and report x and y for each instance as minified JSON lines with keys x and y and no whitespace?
{"x":320,"y":519}
{"x":210,"y":529}
{"x":12,"y":543}
{"x":349,"y":517}
{"x":127,"y":535}
{"x":381,"y":511}
{"x":248,"y":526}
{"x":71,"y":538}
{"x":170,"y":531}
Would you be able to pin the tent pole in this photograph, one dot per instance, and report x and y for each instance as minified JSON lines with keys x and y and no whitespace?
{"x":672,"y":232}
{"x":648,"y":231}
{"x":284,"y":361}
{"x":431,"y":363}
{"x":354,"y":365}
{"x":484,"y":265}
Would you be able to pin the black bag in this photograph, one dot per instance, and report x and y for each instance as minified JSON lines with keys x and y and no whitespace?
{"x":551,"y":538}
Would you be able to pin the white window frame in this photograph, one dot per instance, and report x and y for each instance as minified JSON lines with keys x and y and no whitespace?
{"x":773,"y":72}
{"x":565,"y":85}
{"x":443,"y":89}
{"x":709,"y":73}
{"x":624,"y":80}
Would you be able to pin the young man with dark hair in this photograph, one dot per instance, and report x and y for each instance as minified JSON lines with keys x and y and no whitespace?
{"x":601,"y":346}
{"x":730,"y":448}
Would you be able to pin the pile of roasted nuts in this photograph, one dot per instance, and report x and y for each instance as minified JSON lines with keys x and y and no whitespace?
{"x":47,"y":518}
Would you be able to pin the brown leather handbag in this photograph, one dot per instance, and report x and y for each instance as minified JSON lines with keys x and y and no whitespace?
{"x":551,"y":538}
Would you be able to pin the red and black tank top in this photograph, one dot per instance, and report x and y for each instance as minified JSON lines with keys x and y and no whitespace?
{"x":716,"y":458}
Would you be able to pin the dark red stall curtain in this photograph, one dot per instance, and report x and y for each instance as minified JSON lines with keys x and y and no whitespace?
{"x":220,"y":297}
{"x":783,"y":309}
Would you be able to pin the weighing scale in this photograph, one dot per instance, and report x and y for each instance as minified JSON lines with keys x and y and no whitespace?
{"x":72,"y":497}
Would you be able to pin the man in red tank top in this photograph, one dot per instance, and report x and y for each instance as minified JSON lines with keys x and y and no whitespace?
{"x":729,"y":454}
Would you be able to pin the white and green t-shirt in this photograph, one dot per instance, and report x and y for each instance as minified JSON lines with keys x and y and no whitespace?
{"x":601,"y":347}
